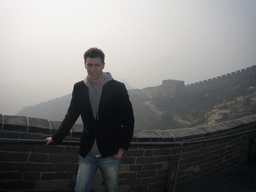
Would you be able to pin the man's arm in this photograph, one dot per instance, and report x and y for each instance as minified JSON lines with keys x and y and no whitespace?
{"x":67,"y":123}
{"x":127,"y":118}
{"x":118,"y":155}
{"x":49,"y":141}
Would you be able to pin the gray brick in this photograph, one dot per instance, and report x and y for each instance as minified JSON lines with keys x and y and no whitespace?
{"x":37,"y":125}
{"x":155,"y":137}
{"x":10,"y":156}
{"x":177,"y":135}
{"x":142,"y":136}
{"x":167,"y":137}
{"x":15,"y":123}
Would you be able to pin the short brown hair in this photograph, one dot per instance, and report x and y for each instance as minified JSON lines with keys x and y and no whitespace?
{"x":94,"y":53}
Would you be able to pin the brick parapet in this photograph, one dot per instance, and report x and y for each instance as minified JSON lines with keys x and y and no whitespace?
{"x":24,"y":127}
{"x":234,"y":76}
{"x":152,"y":163}
{"x":244,"y":76}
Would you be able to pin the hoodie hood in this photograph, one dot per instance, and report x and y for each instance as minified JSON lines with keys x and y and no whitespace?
{"x":107,"y":77}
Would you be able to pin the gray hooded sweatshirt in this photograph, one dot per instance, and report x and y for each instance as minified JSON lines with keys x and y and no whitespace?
{"x":94,"y":96}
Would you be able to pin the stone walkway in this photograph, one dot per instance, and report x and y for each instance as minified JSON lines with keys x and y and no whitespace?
{"x":242,"y":179}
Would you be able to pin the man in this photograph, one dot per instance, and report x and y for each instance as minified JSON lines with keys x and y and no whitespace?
{"x":107,"y":115}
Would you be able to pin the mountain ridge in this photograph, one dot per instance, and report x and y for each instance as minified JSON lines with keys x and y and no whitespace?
{"x":170,"y":106}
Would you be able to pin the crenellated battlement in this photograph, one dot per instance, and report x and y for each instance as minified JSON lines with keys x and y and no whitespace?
{"x":247,"y":72}
{"x":243,"y":76}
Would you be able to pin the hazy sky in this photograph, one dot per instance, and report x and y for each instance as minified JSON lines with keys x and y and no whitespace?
{"x":42,"y":43}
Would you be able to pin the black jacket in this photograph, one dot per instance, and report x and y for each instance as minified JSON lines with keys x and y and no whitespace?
{"x":115,"y":124}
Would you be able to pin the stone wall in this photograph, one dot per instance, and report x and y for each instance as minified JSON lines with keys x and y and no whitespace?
{"x":243,"y":76}
{"x":156,"y":161}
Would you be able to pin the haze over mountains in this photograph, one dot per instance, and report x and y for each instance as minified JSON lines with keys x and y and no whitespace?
{"x":145,"y":42}
{"x":154,"y":109}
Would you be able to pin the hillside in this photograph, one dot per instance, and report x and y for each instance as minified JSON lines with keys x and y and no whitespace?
{"x":168,"y":113}
{"x":155,"y":110}
{"x":207,"y":108}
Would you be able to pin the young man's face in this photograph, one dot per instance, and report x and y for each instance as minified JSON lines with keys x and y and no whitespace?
{"x":94,"y":68}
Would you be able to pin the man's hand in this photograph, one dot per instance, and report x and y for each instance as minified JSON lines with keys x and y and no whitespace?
{"x":49,"y":141}
{"x":118,"y":155}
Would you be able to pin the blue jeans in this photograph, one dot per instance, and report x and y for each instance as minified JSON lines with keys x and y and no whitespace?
{"x":88,"y":167}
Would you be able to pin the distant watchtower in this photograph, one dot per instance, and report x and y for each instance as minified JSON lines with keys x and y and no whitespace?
{"x":172,"y":87}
